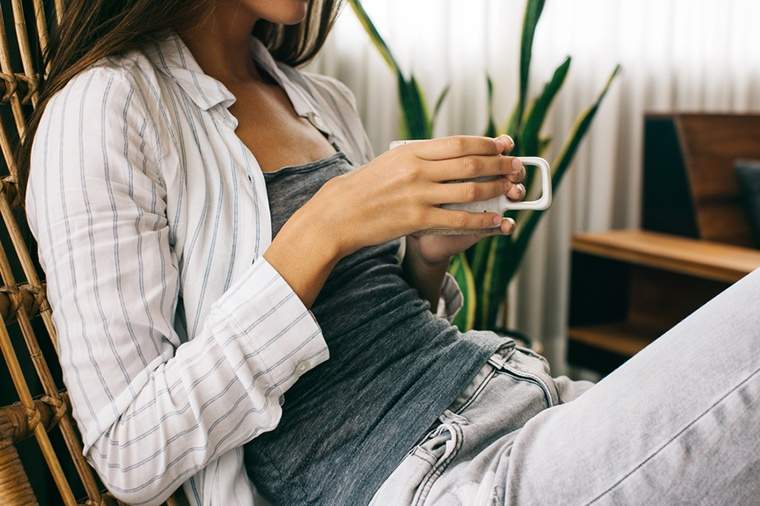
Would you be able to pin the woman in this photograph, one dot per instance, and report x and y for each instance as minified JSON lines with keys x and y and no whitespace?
{"x":221,"y":252}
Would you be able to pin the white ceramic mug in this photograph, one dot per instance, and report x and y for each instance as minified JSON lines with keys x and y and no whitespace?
{"x":501,"y":203}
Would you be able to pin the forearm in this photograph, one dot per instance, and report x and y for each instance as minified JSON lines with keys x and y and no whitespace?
{"x":427,"y":278}
{"x":304,"y":255}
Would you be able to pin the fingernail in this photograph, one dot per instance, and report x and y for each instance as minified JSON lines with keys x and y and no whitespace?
{"x":512,"y":225}
{"x":506,"y":141}
{"x":517,"y":164}
{"x":497,"y":219}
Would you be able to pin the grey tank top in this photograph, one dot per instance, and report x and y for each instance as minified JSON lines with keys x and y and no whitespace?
{"x":394,"y":367}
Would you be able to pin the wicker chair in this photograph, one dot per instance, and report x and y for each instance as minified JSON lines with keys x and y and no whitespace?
{"x":41,"y":458}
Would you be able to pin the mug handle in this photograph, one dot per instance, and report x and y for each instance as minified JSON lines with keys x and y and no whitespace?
{"x":545,"y":200}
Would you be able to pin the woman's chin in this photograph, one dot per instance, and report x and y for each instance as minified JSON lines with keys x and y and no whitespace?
{"x":285,"y":12}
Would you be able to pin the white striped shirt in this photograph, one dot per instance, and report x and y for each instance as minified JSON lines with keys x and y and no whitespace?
{"x":177,"y":338}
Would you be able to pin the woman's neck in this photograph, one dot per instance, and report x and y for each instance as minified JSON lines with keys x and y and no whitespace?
{"x":220,"y":44}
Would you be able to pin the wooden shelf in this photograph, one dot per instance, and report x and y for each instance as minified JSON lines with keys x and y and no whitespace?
{"x":623,"y":338}
{"x":627,"y":287}
{"x":704,"y":259}
{"x":630,"y":286}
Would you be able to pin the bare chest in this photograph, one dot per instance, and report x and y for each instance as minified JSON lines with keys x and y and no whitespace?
{"x":269,"y":126}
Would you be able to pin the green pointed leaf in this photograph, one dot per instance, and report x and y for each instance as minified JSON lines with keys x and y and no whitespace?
{"x":415,"y":120}
{"x":374,"y":35}
{"x":530,"y":144}
{"x":460,"y":269}
{"x":415,"y":116}
{"x":438,"y":105}
{"x":480,"y":256}
{"x":538,"y":112}
{"x":533,"y":10}
{"x":582,"y":125}
{"x":489,"y":285}
{"x":510,"y":251}
{"x":491,"y":127}
{"x":543,"y":145}
{"x":512,"y":127}
{"x":561,"y":165}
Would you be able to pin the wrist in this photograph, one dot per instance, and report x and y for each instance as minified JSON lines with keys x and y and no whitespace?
{"x":320,"y":240}
{"x":414,"y":252}
{"x":424,"y":274}
{"x":304,"y":256}
{"x":324,"y":222}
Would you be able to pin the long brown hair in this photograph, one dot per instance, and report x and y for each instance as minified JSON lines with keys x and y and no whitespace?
{"x":93,"y":29}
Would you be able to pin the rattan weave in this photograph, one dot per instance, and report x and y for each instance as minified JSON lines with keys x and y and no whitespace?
{"x":41,"y":458}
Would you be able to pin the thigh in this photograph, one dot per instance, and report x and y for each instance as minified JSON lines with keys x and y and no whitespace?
{"x":676,"y":424}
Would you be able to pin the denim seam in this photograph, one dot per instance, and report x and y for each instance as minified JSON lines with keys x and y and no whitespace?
{"x":476,"y":393}
{"x":424,"y":455}
{"x":528,"y":377}
{"x":435,"y":473}
{"x":532,"y":353}
{"x":675,"y":436}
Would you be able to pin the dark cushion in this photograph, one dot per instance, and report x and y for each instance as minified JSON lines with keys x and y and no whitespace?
{"x":748,"y":175}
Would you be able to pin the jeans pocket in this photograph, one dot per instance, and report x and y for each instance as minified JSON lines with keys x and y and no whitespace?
{"x":530,"y":367}
{"x":470,"y":393}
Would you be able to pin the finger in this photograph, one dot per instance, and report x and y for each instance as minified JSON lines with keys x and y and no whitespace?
{"x":510,"y":143}
{"x":469,"y":191}
{"x":457,"y":146}
{"x":462,"y":220}
{"x":468,"y":167}
{"x":508,"y":226}
{"x":516,"y":171}
{"x":516,"y":193}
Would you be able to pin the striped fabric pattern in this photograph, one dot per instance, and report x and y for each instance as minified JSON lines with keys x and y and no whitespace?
{"x":177,"y":339}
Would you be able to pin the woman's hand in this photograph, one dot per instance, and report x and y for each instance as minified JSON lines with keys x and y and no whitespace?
{"x":397,"y":194}
{"x":427,"y":255}
{"x":435,"y":250}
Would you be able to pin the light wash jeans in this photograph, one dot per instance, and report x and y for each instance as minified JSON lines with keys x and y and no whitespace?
{"x":679,"y":423}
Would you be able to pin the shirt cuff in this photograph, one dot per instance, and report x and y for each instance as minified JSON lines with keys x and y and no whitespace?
{"x":276,"y":334}
{"x":451,"y":299}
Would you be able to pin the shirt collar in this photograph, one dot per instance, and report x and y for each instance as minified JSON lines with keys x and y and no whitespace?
{"x":172,"y":57}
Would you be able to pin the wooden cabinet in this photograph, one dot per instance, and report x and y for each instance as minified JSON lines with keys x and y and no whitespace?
{"x":628,"y":287}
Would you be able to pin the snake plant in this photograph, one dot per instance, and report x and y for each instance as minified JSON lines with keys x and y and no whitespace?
{"x":485,"y":270}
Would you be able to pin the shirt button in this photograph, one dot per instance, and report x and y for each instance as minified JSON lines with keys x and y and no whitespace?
{"x":317,"y":120}
{"x":302,"y":367}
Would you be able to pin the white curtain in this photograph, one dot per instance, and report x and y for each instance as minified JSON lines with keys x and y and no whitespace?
{"x":678,"y":55}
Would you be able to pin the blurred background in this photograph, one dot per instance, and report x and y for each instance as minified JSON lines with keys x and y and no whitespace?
{"x":676,"y":56}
